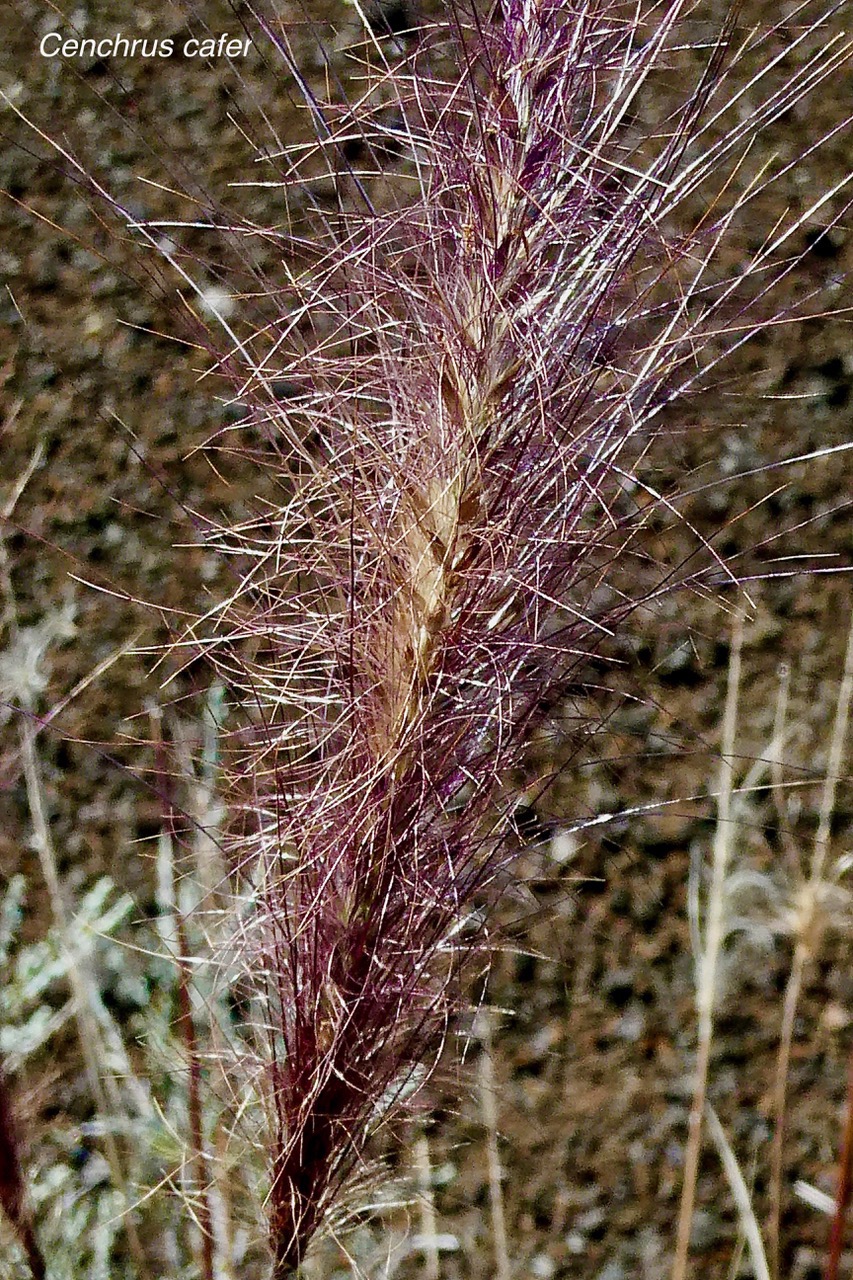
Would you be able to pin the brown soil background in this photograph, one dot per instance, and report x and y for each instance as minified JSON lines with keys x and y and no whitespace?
{"x":593,"y":1053}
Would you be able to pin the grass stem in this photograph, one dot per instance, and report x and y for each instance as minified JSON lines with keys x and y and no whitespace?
{"x":429,"y":1222}
{"x":707,"y":960}
{"x":489,"y":1109}
{"x":845,"y":1184}
{"x":804,"y":950}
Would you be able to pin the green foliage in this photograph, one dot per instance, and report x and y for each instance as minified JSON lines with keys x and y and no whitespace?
{"x":81,"y":1213}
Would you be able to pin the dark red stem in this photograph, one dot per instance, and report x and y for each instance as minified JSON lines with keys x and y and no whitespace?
{"x":13,"y":1195}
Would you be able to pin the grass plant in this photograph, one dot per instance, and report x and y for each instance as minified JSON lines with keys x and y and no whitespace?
{"x":475,"y":368}
{"x":801,"y":904}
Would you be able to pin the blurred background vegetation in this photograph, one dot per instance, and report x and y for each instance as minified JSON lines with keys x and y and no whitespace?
{"x":576,"y":1083}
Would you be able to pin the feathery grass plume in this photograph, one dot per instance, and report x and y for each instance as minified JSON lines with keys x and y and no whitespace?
{"x":473,"y":378}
